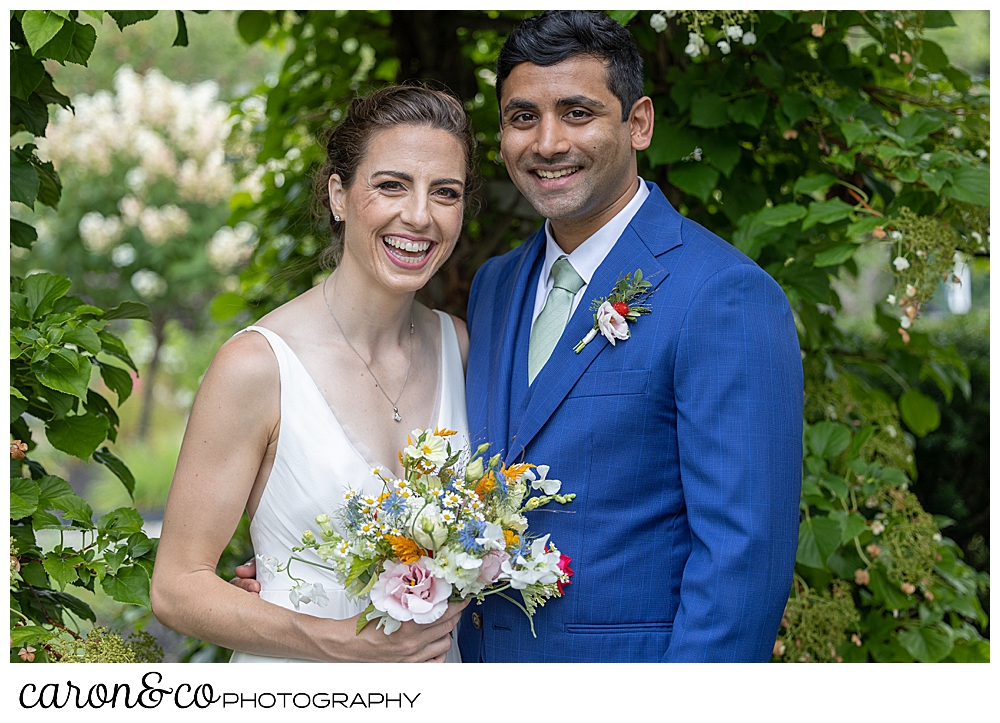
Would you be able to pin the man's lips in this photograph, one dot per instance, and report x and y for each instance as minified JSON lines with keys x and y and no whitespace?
{"x":555,"y":174}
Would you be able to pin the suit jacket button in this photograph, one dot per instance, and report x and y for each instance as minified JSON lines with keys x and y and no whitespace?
{"x":477,"y":621}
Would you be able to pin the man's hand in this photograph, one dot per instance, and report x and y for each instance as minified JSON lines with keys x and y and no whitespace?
{"x":246,"y":577}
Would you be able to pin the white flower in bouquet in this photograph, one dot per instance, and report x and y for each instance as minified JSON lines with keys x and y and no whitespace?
{"x":458,"y":568}
{"x":429,"y":528}
{"x":433,"y":448}
{"x":548,"y":486}
{"x":492,"y":538}
{"x":539,"y":567}
{"x":267,"y":567}
{"x":310,"y":592}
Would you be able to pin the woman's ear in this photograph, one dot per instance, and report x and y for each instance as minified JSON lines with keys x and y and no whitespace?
{"x":336,"y":190}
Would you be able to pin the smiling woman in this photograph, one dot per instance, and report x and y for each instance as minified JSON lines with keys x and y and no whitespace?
{"x":299,"y":408}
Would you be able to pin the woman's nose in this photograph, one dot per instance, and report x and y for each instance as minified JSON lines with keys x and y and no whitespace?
{"x":416,"y":212}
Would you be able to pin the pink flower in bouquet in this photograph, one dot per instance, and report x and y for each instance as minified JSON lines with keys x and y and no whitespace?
{"x":410,"y":592}
{"x":611,"y":323}
{"x":489,"y":572}
{"x":564,"y":561}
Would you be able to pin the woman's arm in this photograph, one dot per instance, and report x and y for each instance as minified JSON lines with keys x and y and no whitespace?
{"x":233,"y":423}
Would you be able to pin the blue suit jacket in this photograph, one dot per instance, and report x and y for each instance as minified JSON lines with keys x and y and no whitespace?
{"x":683,"y":444}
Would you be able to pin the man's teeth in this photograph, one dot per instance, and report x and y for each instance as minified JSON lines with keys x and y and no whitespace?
{"x":557,"y":174}
{"x":407,"y":245}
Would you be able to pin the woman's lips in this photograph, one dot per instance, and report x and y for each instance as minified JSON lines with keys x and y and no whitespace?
{"x":407,"y":253}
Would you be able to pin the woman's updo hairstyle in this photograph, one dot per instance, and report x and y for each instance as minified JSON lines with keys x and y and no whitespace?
{"x":347,"y":143}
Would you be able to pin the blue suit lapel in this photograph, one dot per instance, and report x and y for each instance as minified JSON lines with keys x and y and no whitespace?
{"x":653,"y":231}
{"x":513,"y":294}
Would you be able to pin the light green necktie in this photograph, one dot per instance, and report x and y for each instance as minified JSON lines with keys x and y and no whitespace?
{"x":552,"y":321}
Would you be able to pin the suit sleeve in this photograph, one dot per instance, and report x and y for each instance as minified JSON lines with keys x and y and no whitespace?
{"x":738,"y":387}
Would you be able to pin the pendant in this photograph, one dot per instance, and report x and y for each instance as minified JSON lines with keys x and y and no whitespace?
{"x":396,"y":415}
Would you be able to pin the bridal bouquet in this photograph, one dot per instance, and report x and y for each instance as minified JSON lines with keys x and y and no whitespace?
{"x":452,"y":528}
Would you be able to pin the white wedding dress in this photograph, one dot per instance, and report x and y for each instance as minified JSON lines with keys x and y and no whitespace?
{"x":318,"y":459}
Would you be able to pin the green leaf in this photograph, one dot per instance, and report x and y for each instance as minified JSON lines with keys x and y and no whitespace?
{"x":919,"y":412}
{"x":124,"y":18}
{"x":857,"y":132}
{"x":117,"y":379}
{"x":31,"y":115}
{"x":78,"y":435}
{"x":851,"y":525}
{"x":227,"y":305}
{"x":918,"y":126}
{"x":835,"y":256}
{"x":622,"y":16}
{"x":182,"y":31}
{"x":938,"y":19}
{"x":697,"y":179}
{"x":253,"y":25}
{"x":21,"y":234}
{"x":932,"y":56}
{"x":723,"y":153}
{"x":129,"y":585}
{"x":42,"y":290}
{"x":811,"y":184}
{"x":886,"y":592}
{"x":670,"y":143}
{"x":49,"y":186}
{"x":122,"y":472}
{"x":23,"y":497}
{"x":98,"y":15}
{"x":826,"y":212}
{"x":971,"y":651}
{"x":749,"y":110}
{"x":935,"y":180}
{"x":65,"y":371}
{"x":26,"y":72}
{"x":28,"y":635}
{"x":861,"y":436}
{"x":113,"y":345}
{"x":968,"y":183}
{"x":60,"y":45}
{"x":927,"y":645}
{"x":827,"y":439}
{"x":85,"y":338}
{"x":60,"y":570}
{"x":120,"y":523}
{"x":709,"y":110}
{"x":139,"y":544}
{"x":781,"y":215}
{"x":363,"y":618}
{"x":23,"y":181}
{"x":796,"y":107}
{"x":819,"y":537}
{"x":39,"y":28}
{"x":129,"y":310}
{"x":84,"y":39}
{"x":55,"y":493}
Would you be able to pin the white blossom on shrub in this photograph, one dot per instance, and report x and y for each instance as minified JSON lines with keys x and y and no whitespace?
{"x":99,"y":233}
{"x":231,"y":247}
{"x":148,"y":284}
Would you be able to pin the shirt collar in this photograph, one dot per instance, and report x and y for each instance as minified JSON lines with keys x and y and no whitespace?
{"x":588,"y":256}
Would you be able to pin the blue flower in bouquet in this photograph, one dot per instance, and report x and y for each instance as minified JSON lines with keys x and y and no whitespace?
{"x":468,"y":533}
{"x":394,"y":505}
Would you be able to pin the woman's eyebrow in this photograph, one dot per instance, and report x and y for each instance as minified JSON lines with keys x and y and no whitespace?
{"x":409,"y":179}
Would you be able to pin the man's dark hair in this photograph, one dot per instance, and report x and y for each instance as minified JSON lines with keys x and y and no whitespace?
{"x":557,"y":35}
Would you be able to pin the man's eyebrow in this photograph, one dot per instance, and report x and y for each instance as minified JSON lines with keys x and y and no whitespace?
{"x":519,"y":104}
{"x":579,"y":100}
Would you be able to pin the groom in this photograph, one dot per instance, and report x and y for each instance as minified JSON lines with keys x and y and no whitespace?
{"x":682,"y":442}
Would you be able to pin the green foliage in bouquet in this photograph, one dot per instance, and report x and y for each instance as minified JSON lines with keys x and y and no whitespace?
{"x":802,"y":138}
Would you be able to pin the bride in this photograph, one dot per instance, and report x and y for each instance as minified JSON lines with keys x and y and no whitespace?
{"x":299,"y":408}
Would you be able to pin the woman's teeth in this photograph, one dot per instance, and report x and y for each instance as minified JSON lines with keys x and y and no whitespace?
{"x":556,"y":174}
{"x":407,"y":247}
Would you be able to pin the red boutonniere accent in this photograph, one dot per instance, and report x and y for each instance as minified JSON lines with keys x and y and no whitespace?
{"x":564,"y":561}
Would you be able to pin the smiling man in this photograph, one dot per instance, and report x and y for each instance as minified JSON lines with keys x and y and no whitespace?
{"x":683,"y":440}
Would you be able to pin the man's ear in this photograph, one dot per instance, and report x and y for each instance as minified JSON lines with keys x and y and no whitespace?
{"x":640,"y":123}
{"x":335,"y":188}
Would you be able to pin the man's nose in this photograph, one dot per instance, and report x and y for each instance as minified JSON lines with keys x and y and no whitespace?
{"x":551,"y":140}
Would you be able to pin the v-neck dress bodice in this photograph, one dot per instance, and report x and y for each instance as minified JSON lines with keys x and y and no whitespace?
{"x":316,"y":462}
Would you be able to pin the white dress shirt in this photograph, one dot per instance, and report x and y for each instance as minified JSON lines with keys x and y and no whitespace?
{"x":588,"y":255}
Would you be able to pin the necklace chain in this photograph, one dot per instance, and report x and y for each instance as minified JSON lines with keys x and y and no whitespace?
{"x":395,"y":409}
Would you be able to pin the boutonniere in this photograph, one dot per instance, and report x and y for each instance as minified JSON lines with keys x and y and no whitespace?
{"x":613,"y":313}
